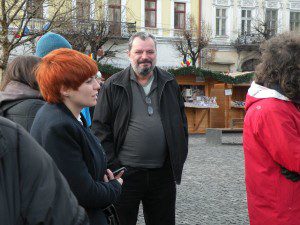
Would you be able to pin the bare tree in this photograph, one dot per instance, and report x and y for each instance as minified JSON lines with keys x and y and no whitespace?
{"x":90,"y":35}
{"x":22,"y":22}
{"x":261,"y":30}
{"x":191,"y":41}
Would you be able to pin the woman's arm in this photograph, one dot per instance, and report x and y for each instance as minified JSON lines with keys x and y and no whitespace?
{"x":279,"y":132}
{"x":63,"y":143}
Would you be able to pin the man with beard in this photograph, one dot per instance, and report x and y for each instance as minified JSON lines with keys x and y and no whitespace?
{"x":141,"y":123}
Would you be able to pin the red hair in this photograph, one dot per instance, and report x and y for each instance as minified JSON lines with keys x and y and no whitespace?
{"x":63,"y":68}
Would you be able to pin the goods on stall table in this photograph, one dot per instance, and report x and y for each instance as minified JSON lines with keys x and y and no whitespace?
{"x":202,"y":102}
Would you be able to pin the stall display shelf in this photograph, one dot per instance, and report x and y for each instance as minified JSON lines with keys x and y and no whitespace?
{"x":198,"y":102}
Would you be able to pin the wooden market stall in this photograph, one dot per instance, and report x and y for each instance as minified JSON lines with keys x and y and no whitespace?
{"x":235,"y":105}
{"x":231,"y":100}
{"x":198,"y":102}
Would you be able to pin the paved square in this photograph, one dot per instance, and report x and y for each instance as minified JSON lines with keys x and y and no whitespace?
{"x":212,"y":191}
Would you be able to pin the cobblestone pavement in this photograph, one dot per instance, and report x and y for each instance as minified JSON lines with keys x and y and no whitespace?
{"x":212,"y":191}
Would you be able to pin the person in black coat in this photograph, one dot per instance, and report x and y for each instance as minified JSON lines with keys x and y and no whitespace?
{"x":32,"y":189}
{"x":141,"y":122}
{"x":67,"y":81}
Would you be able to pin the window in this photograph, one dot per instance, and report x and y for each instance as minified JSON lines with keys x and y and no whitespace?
{"x":114,"y":16}
{"x":221,"y":22}
{"x":271,"y":21}
{"x":150,"y":13}
{"x":179,"y":15}
{"x":82,"y":9}
{"x":35,"y":8}
{"x":295,"y":21}
{"x":246,"y":21}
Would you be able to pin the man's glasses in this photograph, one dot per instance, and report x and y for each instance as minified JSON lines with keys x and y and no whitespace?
{"x":149,"y":108}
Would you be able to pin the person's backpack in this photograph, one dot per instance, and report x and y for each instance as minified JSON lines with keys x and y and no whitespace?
{"x":7,"y":106}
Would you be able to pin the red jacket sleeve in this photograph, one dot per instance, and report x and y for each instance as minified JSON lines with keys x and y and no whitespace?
{"x":279,"y":132}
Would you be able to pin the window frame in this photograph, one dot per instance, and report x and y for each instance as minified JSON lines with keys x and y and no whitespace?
{"x":115,"y":7}
{"x":81,"y":12}
{"x":221,"y":18}
{"x":151,"y":10}
{"x":271,"y":21}
{"x":180,"y":12}
{"x":246,"y":26}
{"x":115,"y":26}
{"x":293,"y":22}
{"x":31,"y":7}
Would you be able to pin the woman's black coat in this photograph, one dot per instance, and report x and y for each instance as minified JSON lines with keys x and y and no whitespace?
{"x":79,"y":156}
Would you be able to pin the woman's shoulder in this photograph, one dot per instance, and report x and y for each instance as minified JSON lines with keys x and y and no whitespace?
{"x":24,"y":106}
{"x":273,"y":105}
{"x":33,"y":105}
{"x":51,"y":115}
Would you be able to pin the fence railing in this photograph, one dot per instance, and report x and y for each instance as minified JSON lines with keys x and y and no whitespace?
{"x":112,"y":28}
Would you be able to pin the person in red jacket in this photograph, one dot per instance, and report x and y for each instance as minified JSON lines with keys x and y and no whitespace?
{"x":272,"y":135}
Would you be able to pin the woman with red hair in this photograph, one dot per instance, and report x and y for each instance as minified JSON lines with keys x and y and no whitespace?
{"x":67,"y":81}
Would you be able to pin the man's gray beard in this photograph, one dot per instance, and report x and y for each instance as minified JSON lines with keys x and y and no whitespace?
{"x":143,"y":71}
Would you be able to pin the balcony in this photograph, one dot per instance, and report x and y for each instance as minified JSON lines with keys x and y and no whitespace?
{"x":112,"y":29}
{"x":248,"y":42}
{"x":33,"y":26}
{"x":166,"y":32}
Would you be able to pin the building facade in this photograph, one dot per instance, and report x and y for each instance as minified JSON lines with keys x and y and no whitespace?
{"x":238,"y":26}
{"x":164,"y":19}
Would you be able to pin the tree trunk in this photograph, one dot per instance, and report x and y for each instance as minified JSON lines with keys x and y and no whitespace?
{"x":194,"y":62}
{"x":1,"y":74}
{"x":6,"y":48}
{"x":184,"y":58}
{"x":4,"y":55}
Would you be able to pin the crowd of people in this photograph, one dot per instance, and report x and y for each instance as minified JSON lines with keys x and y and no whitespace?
{"x":59,"y":161}
{"x":48,"y":93}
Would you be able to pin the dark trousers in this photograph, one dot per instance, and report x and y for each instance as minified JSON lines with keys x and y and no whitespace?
{"x":157,"y":191}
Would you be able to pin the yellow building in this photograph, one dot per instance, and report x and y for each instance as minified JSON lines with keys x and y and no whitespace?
{"x":163,"y":18}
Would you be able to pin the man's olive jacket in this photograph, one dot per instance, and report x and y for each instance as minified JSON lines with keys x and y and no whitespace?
{"x":113,"y":111}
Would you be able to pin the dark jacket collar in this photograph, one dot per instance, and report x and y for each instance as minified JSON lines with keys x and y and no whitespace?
{"x":69,"y":113}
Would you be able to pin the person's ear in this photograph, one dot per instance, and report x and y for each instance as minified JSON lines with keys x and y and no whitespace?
{"x":65,"y":92}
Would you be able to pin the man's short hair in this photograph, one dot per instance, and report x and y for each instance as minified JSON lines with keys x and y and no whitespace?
{"x":143,"y":36}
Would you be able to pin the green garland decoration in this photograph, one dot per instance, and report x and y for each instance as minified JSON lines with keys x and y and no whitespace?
{"x":108,"y":69}
{"x":204,"y":74}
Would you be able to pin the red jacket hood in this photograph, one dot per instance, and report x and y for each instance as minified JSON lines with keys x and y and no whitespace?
{"x":257,"y":92}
